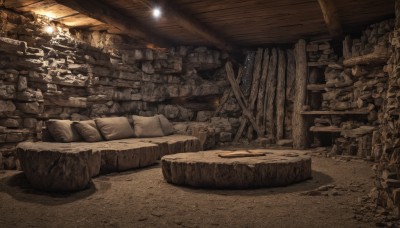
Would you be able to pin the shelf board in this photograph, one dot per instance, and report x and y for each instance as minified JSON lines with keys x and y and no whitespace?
{"x":375,"y":58}
{"x":333,"y":129}
{"x":316,"y":87}
{"x":354,"y":112}
{"x":315,"y":64}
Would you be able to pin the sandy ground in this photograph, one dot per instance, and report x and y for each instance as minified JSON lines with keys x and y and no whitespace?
{"x":141,"y":198}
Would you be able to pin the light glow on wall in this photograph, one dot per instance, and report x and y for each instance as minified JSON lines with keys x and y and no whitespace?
{"x":157,"y":12}
{"x":49,"y":29}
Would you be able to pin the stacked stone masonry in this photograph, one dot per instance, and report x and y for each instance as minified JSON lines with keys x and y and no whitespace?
{"x":350,"y":84}
{"x":73,"y":74}
{"x":386,"y":141}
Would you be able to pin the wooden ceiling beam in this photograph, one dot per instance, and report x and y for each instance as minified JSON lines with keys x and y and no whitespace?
{"x":331,"y":17}
{"x":193,"y":25}
{"x":106,"y":14}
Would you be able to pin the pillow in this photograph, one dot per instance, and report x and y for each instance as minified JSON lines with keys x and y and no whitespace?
{"x":62,"y":131}
{"x":115,"y":128}
{"x":167,"y":127}
{"x":88,"y":130}
{"x":147,"y":126}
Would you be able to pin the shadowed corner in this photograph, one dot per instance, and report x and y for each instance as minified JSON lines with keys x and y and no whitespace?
{"x":318,"y":179}
{"x":17,"y":186}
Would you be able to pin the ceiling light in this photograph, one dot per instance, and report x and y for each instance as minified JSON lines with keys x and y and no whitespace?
{"x":157,"y":12}
{"x":49,"y":29}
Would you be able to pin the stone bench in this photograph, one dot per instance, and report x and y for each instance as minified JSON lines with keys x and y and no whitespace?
{"x":53,"y":166}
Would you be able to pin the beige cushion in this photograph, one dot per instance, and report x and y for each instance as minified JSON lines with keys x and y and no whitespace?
{"x":167,"y":127}
{"x":147,"y":126}
{"x":88,"y":130}
{"x":62,"y":131}
{"x":114,"y":128}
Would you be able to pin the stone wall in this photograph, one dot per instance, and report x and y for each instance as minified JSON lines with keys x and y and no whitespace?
{"x":387,"y":141}
{"x":350,"y":89}
{"x":79,"y":75}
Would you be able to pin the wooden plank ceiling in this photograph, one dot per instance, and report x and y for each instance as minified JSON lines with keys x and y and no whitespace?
{"x":238,"y":22}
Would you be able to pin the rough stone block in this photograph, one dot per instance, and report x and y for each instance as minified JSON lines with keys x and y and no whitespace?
{"x":7,"y":106}
{"x":10,"y":123}
{"x":31,"y":107}
{"x":225,"y":137}
{"x":147,"y":67}
{"x":30,"y":123}
{"x":22,"y":83}
{"x":7,"y":92}
{"x":11,"y":45}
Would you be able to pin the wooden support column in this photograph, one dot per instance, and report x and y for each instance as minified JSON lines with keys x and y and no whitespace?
{"x":280,"y":95}
{"x":331,"y":17}
{"x":270,"y":96}
{"x":299,"y":124}
{"x":290,"y":87}
{"x":261,"y":92}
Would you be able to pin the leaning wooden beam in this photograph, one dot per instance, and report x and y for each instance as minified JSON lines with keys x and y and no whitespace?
{"x":280,"y":95}
{"x":105,"y":13}
{"x":270,"y":96}
{"x":299,"y":124}
{"x":331,"y":17}
{"x":240,"y":98}
{"x":253,"y":92}
{"x":227,"y":94}
{"x":194,"y":26}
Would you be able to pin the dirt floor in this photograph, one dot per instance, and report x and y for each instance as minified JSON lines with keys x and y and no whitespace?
{"x":141,"y":198}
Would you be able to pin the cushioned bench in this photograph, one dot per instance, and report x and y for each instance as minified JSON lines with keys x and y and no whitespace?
{"x":54,"y":166}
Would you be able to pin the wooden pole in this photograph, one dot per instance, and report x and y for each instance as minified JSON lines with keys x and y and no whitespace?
{"x":270,"y":96}
{"x":331,"y":17}
{"x":105,"y":13}
{"x":227,"y":94}
{"x":290,"y":86}
{"x":253,"y":92}
{"x":240,"y":97}
{"x":261,"y":92}
{"x":299,"y":124}
{"x":280,"y":95}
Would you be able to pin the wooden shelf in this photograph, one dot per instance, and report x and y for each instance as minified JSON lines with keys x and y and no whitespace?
{"x":355,"y":112}
{"x":315,"y":64}
{"x":316,"y":87}
{"x":375,"y":58}
{"x":332,"y":129}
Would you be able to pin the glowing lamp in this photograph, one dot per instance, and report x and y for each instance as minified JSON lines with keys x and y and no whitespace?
{"x":49,"y":29}
{"x":157,"y":12}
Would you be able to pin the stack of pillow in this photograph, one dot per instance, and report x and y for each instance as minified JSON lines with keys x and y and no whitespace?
{"x":110,"y":128}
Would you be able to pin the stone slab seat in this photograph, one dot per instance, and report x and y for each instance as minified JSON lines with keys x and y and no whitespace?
{"x":207,"y":169}
{"x":54,"y":166}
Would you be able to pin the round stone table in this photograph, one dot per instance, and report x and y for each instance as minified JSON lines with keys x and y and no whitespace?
{"x":208,"y":169}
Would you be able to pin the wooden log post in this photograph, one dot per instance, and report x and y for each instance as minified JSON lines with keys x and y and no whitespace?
{"x":240,"y":97}
{"x":253,"y":94}
{"x":280,"y":95}
{"x":300,"y":130}
{"x":331,"y":17}
{"x":261,"y":92}
{"x":270,"y":96}
{"x":290,"y":86}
